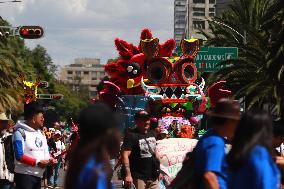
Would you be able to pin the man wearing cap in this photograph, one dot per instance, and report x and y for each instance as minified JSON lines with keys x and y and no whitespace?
{"x":6,"y":154}
{"x":138,"y":153}
{"x":30,"y":148}
{"x":60,"y":147}
{"x":211,"y":167}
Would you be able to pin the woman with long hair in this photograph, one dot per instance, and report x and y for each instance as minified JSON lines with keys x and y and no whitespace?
{"x":89,"y":166}
{"x":250,"y":159}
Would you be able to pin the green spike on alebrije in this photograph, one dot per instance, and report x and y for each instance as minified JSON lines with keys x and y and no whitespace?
{"x":208,"y":106}
{"x":188,"y":106}
{"x":173,"y":105}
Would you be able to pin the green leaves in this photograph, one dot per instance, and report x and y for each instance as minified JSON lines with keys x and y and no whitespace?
{"x":258,"y":73}
{"x":16,"y":58}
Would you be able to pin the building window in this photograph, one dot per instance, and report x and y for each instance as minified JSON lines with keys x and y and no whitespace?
{"x":78,"y":72}
{"x":199,"y":24}
{"x":93,"y":93}
{"x":212,"y":1}
{"x":86,"y":73}
{"x":93,"y":85}
{"x":70,"y":78}
{"x":94,"y":73}
{"x":94,"y":78}
{"x":198,"y":11}
{"x":198,"y":1}
{"x":69,"y":72}
{"x":212,"y":12}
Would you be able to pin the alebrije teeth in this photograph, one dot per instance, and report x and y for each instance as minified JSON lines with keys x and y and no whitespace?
{"x":182,"y":96}
{"x":164,"y":89}
{"x":174,"y":96}
{"x":165,"y":96}
{"x":174,"y":88}
{"x":182,"y":88}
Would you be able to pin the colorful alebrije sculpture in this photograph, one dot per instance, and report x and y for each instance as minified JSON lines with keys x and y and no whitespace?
{"x":174,"y":82}
{"x":171,"y":82}
{"x":30,"y":89}
{"x":127,"y":71}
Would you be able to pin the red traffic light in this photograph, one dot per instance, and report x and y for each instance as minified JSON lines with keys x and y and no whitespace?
{"x":31,"y":32}
{"x":57,"y":96}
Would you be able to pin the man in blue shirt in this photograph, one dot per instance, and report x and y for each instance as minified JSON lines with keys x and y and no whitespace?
{"x":210,"y":155}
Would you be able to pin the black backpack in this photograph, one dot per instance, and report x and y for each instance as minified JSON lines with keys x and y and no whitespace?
{"x":9,"y":153}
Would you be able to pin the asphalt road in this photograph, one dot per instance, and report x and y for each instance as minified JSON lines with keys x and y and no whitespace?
{"x":117,"y":183}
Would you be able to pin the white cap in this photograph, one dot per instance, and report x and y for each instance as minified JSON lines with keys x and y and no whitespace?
{"x":57,"y":133}
{"x":164,"y":131}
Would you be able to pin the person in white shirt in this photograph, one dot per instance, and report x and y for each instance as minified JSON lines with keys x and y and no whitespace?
{"x":30,"y":148}
{"x":6,"y":155}
{"x":60,"y":147}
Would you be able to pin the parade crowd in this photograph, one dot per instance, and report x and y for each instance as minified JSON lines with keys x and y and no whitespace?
{"x":31,"y":154}
{"x":238,"y":151}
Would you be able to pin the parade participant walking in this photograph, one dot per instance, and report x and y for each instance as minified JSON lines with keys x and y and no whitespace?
{"x":250,"y":158}
{"x":30,"y":147}
{"x":89,"y":166}
{"x":211,"y":167}
{"x":6,"y":154}
{"x":60,"y":147}
{"x":138,"y":155}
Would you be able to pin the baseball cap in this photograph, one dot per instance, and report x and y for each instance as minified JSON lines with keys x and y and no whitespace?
{"x":57,"y":133}
{"x":142,"y":114}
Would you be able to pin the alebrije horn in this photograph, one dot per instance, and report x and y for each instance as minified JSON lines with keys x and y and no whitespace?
{"x":123,"y":48}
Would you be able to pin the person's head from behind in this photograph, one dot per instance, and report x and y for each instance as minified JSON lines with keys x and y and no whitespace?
{"x":278,"y":133}
{"x":98,"y":121}
{"x":99,"y":139}
{"x":34,"y":115}
{"x":254,"y":128}
{"x":225,"y":116}
{"x":4,"y":121}
{"x":56,"y":126}
{"x":142,"y":121}
{"x":57,"y":136}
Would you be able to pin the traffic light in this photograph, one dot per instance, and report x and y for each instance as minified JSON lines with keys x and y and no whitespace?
{"x":50,"y":96}
{"x":31,"y":32}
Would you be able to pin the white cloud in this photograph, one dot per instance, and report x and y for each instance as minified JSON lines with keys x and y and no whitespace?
{"x":87,"y":28}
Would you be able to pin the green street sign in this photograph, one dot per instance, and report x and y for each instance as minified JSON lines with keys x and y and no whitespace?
{"x":207,"y":58}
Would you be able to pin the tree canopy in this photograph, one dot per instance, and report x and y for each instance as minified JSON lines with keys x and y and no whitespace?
{"x":17,"y":58}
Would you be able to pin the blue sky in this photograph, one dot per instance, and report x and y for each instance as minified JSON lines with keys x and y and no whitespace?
{"x":87,"y":28}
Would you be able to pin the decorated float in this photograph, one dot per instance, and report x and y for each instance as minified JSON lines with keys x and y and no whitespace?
{"x":149,"y":76}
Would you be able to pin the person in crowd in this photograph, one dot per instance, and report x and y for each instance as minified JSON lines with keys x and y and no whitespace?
{"x":153,"y":123}
{"x":30,"y":148}
{"x":278,"y":139}
{"x":44,"y":129}
{"x":6,"y":154}
{"x":49,"y":169}
{"x":138,"y":152}
{"x":57,"y":154}
{"x":99,"y":140}
{"x":56,"y":126}
{"x":211,"y":167}
{"x":250,"y":159}
{"x":164,"y":134}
